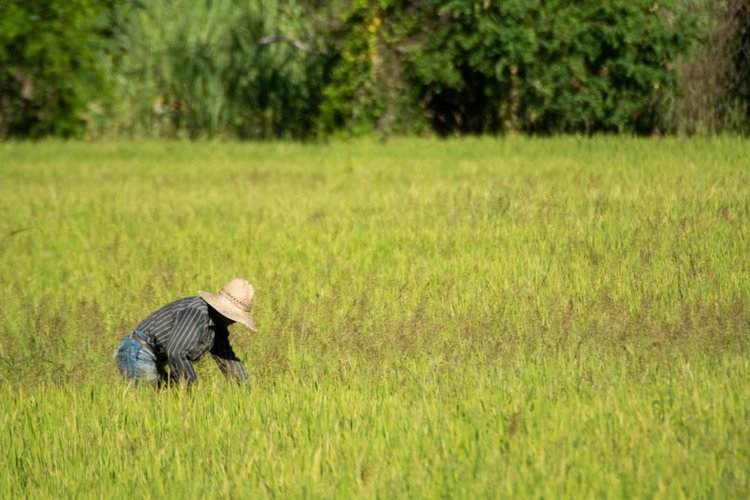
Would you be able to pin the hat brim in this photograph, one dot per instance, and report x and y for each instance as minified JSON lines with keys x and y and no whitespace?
{"x":228,"y":309}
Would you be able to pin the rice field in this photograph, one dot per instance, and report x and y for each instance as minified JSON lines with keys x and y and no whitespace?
{"x":498,"y":318}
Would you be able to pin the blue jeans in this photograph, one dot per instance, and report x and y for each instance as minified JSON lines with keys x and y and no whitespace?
{"x":136,"y":361}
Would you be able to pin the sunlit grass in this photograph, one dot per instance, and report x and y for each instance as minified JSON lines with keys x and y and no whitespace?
{"x":494,"y":317}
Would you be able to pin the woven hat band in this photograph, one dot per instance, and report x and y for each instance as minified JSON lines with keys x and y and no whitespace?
{"x":244,"y":305}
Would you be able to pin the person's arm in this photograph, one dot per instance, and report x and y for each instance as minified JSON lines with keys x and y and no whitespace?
{"x":229,"y":364}
{"x":187,"y":330}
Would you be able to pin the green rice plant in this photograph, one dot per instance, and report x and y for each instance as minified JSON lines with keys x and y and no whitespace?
{"x":554,"y":425}
{"x":479,"y":317}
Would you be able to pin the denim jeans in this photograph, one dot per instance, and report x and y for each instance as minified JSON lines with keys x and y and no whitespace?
{"x":136,"y":361}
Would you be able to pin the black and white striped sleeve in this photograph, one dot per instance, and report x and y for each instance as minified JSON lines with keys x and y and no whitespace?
{"x":188,"y":328}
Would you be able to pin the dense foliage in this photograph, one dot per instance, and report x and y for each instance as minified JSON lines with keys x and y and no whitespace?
{"x":305,"y":68}
{"x":48,"y":64}
{"x":552,"y":66}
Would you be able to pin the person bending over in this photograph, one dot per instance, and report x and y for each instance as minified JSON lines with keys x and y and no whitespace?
{"x":183,"y":331}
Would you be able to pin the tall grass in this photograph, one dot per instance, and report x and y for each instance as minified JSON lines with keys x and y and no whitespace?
{"x":552,"y":426}
{"x":189,"y":69}
{"x":495,"y":317}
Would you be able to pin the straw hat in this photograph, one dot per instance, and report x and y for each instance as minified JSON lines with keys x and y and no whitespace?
{"x":233,"y":301}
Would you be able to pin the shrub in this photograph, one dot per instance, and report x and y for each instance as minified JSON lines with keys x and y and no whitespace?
{"x":368,"y":89}
{"x":552,"y":66}
{"x":48,"y":64}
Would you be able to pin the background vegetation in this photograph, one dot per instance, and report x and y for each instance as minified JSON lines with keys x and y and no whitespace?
{"x":305,"y":69}
{"x":516,"y":317}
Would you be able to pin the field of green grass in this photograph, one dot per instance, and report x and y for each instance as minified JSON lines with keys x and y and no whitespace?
{"x":481,"y":317}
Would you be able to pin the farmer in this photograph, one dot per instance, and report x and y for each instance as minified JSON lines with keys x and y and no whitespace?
{"x":183,"y":332}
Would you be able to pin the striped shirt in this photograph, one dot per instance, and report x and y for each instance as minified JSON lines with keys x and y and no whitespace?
{"x":182,"y":332}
